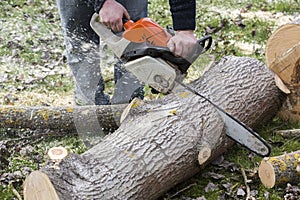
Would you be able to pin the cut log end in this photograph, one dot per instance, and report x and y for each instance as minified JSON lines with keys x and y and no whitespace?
{"x":281,"y":85}
{"x":134,"y":103}
{"x":283,"y":39}
{"x":286,"y":66}
{"x":266,"y":174}
{"x":204,"y":154}
{"x":280,"y":170}
{"x":57,"y":153}
{"x":283,"y":58}
{"x":38,"y":186}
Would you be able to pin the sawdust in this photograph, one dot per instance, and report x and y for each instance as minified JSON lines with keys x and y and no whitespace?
{"x":278,"y":18}
{"x":26,"y":98}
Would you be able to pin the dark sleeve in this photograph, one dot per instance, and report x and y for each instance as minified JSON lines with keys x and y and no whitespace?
{"x":97,"y":4}
{"x":183,"y":14}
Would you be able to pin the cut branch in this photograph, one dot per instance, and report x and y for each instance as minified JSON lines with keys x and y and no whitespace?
{"x":280,"y":170}
{"x":246,"y":184}
{"x":292,"y":133}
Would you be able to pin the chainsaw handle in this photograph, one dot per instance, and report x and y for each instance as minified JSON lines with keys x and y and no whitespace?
{"x":206,"y":40}
{"x":100,"y":28}
{"x":116,"y":43}
{"x":205,"y":43}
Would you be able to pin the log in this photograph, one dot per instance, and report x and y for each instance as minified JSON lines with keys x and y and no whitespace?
{"x":283,"y":58}
{"x":291,"y":133}
{"x":62,"y":119}
{"x":280,"y":170}
{"x":158,"y":143}
{"x":33,"y":190}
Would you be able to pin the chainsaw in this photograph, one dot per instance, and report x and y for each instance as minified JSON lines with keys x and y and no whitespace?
{"x":143,"y":48}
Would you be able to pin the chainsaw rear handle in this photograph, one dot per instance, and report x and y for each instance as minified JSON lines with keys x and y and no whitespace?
{"x":116,"y":43}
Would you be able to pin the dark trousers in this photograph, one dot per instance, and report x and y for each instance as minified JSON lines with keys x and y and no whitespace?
{"x":82,"y":49}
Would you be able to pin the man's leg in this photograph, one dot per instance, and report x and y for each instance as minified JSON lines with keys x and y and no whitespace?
{"x":127,"y":86}
{"x":84,"y":60}
{"x":137,"y":9}
{"x":82,"y":52}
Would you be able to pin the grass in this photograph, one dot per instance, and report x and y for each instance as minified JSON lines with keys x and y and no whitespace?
{"x":33,"y":72}
{"x":31,"y":47}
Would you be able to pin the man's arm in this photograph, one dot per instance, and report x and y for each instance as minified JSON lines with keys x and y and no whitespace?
{"x":183,"y":14}
{"x":184,"y":23}
{"x":97,"y":4}
{"x":111,"y":13}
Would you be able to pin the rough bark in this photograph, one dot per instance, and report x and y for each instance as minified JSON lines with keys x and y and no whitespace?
{"x":280,"y":170}
{"x":61,"y":119}
{"x":158,"y":143}
{"x":283,"y":57}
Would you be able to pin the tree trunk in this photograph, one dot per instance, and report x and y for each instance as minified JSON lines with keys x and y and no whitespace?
{"x":61,"y":119}
{"x":158,"y":143}
{"x":280,"y":170}
{"x":283,"y":57}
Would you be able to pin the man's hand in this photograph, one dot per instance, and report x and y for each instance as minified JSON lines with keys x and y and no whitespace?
{"x":183,"y":43}
{"x":111,"y":15}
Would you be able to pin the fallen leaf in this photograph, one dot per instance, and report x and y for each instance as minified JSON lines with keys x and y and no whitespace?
{"x":240,"y":192}
{"x":211,"y":187}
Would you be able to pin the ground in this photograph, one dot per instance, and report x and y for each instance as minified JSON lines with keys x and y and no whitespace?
{"x":34,"y":72}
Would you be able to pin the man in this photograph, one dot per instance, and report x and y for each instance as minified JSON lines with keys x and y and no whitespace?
{"x":82,"y":44}
{"x":183,"y":14}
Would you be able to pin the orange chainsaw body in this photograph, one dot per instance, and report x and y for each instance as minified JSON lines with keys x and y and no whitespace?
{"x":146,"y":30}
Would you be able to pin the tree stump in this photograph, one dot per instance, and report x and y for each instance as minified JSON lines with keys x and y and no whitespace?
{"x":283,"y":57}
{"x":158,"y":143}
{"x":280,"y":170}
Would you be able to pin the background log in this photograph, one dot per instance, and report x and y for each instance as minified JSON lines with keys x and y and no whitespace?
{"x":283,"y":57}
{"x":291,"y":133}
{"x":280,"y":170}
{"x":61,"y":119}
{"x":158,"y":143}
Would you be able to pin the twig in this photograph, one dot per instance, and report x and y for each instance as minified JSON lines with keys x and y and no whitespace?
{"x":291,"y":133}
{"x":246,"y":184}
{"x":182,"y":190}
{"x":15,"y":192}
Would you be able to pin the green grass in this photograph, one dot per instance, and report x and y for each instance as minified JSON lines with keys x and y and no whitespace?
{"x":287,"y":6}
{"x":6,"y":192}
